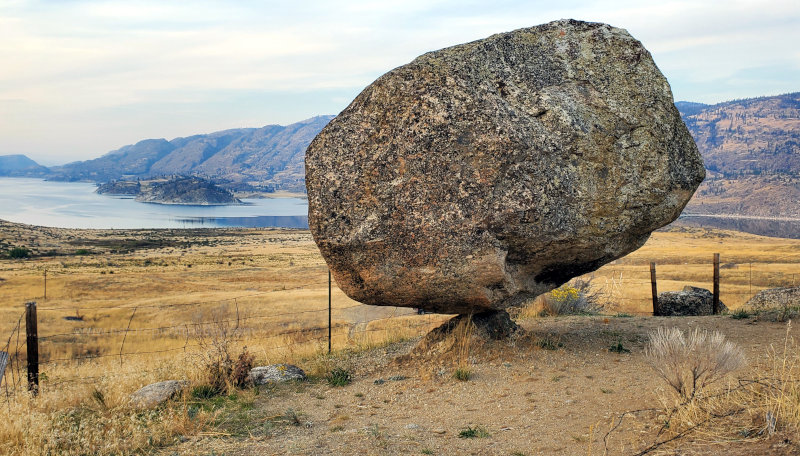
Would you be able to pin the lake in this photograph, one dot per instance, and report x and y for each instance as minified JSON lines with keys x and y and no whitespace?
{"x":763,"y":227}
{"x":76,"y":205}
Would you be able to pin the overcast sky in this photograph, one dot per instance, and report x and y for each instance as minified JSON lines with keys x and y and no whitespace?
{"x":79,"y":78}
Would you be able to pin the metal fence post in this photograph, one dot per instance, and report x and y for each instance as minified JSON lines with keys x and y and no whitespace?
{"x":32,"y":337}
{"x":716,"y":284}
{"x":653,"y":287}
{"x":329,"y":312}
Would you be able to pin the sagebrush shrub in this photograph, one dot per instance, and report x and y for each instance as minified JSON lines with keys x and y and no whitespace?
{"x":689,"y":363}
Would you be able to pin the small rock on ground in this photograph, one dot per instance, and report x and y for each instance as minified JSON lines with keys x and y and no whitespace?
{"x":275,"y":373}
{"x":156,"y":394}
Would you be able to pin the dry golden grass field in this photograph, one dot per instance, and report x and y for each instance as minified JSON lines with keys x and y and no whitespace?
{"x":146,"y":305}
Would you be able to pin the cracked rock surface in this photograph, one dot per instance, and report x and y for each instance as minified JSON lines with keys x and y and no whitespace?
{"x":486,"y":173}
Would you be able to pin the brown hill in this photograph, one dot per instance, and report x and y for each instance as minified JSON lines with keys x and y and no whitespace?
{"x":245,"y":159}
{"x":751,"y":149}
{"x":747,"y":137}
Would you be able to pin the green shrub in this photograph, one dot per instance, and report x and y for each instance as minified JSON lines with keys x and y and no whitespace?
{"x":471,"y":433}
{"x":339,"y":377}
{"x":463,"y":374}
{"x":204,"y":392}
{"x":740,"y":314}
{"x":19,"y":252}
{"x":618,"y":348}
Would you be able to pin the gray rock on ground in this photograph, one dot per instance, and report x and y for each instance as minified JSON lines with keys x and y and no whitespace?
{"x":483,"y":174}
{"x":691,"y":301}
{"x":156,"y":394}
{"x":775,"y":298}
{"x":275,"y":373}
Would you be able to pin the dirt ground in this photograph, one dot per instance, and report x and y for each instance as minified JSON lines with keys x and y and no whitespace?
{"x":522,"y":399}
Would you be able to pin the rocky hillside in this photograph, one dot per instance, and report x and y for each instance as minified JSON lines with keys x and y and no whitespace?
{"x":267,"y":158}
{"x":120,"y":188}
{"x":751,"y":149}
{"x":747,"y":137}
{"x":180,"y":190}
{"x":20,"y":165}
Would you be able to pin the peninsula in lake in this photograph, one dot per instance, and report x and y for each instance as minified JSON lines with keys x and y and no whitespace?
{"x":192,"y":191}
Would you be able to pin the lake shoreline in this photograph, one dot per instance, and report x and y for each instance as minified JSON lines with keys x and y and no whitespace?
{"x":743,"y":217}
{"x":76,"y":205}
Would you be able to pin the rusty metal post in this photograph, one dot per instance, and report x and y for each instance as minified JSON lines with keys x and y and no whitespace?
{"x":716,"y":284}
{"x":32,"y":337}
{"x":330,"y":344}
{"x":654,"y":287}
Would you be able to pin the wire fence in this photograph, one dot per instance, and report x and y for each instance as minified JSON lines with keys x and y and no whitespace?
{"x":625,"y":288}
{"x":248,"y":319}
{"x":628,"y":287}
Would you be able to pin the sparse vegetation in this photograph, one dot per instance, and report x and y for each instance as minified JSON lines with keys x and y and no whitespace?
{"x":339,"y":377}
{"x":618,"y":348}
{"x":19,"y":252}
{"x":216,"y":340}
{"x":463,"y":374}
{"x":473,"y":432}
{"x":577,"y":297}
{"x":547,"y":343}
{"x":689,"y":363}
{"x":740,"y":314}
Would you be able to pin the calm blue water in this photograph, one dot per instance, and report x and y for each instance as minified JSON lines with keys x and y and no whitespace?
{"x":75,"y":205}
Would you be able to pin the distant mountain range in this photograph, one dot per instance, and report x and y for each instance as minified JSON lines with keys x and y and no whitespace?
{"x":751,"y":150}
{"x":20,"y":165}
{"x":267,"y":159}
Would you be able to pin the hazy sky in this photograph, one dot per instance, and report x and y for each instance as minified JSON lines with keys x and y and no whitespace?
{"x":79,"y":78}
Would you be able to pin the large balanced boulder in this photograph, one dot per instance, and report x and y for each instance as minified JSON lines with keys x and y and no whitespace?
{"x":482,"y":174}
{"x":691,"y":301}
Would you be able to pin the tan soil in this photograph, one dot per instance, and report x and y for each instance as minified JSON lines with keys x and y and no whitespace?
{"x":530,"y":400}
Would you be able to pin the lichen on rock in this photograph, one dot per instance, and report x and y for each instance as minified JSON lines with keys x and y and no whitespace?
{"x":486,"y":173}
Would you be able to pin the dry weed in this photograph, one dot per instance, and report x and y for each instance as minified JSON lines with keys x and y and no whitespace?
{"x":690,"y":363}
{"x":755,"y":407}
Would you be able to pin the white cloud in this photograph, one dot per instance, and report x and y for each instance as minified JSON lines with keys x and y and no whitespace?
{"x":127,"y":68}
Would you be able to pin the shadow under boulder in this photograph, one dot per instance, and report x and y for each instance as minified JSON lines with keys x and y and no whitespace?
{"x":691,"y":301}
{"x":455,"y":338}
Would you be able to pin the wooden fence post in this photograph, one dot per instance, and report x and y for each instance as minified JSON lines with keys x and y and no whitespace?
{"x":716,"y":284}
{"x":32,"y":337}
{"x":654,"y":287}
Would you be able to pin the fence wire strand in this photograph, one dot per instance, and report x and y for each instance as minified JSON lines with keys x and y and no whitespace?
{"x":740,"y":275}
